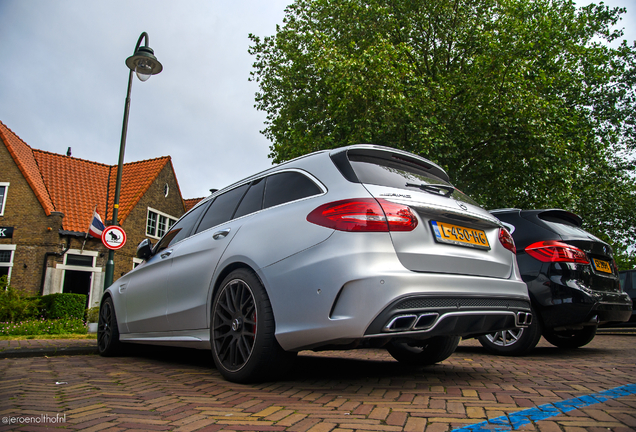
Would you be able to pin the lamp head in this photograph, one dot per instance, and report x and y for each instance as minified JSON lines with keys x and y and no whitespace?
{"x":144,"y":63}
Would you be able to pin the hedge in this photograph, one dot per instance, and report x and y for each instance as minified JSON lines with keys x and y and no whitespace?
{"x":64,"y":305}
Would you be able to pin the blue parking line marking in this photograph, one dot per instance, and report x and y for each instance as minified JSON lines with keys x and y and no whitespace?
{"x":517,"y":419}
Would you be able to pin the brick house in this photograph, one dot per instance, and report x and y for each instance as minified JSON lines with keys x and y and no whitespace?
{"x":46,"y":206}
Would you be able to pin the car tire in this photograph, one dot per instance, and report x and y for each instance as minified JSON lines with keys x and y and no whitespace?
{"x":108,"y":343}
{"x":570,"y":339}
{"x":244,"y":346}
{"x":515,"y":342}
{"x":423,"y":352}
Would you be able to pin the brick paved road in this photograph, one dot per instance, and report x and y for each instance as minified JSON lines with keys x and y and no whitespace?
{"x":175,"y":389}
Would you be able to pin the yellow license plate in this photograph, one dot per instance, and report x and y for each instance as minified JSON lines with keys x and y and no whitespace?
{"x":459,"y":235}
{"x":602,"y":266}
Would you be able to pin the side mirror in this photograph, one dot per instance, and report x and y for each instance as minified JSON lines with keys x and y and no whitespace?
{"x":144,"y":250}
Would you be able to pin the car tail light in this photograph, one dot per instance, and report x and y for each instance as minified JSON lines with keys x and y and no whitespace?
{"x":555,"y":251}
{"x":506,"y":240}
{"x":364,"y":215}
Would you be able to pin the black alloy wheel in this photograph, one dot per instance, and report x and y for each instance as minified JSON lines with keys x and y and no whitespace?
{"x":242,"y":329}
{"x":423,"y":352}
{"x":108,"y":343}
{"x":570,"y":339}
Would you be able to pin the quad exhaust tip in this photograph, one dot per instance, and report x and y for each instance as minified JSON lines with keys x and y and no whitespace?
{"x":524,"y":319}
{"x":411,"y":322}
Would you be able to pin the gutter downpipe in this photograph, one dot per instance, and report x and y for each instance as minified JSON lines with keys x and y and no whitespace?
{"x":46,"y":261}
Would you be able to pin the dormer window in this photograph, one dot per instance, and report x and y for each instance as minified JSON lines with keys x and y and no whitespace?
{"x":3,"y":196}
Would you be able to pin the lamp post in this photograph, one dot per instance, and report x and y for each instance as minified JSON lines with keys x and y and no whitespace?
{"x":144,"y":63}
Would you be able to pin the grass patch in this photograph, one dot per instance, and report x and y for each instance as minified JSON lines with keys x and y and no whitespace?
{"x":49,"y":336}
{"x":43,"y":326}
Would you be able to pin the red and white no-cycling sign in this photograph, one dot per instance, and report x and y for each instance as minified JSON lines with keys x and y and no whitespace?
{"x":114,"y":237}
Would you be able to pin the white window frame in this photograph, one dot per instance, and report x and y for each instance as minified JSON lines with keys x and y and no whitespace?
{"x":9,"y":247}
{"x":136,"y":262}
{"x":66,"y":266}
{"x":159,"y":214}
{"x":3,"y":204}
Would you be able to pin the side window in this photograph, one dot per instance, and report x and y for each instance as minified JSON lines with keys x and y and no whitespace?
{"x":180,"y":229}
{"x":222,"y":208}
{"x":288,"y":186}
{"x":3,"y":196}
{"x":253,"y":199}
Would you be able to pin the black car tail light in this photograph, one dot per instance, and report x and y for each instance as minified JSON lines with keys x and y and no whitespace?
{"x":506,"y":240}
{"x":364,"y":215}
{"x":615,"y":267}
{"x":556,"y":251}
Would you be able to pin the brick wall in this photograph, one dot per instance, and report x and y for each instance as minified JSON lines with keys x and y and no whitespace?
{"x":34,"y":233}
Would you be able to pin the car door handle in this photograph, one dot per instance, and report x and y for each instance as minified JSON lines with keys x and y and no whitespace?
{"x":166,"y":254}
{"x":220,"y":234}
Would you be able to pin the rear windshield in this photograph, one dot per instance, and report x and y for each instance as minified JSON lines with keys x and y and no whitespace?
{"x":567,"y":230}
{"x":395,"y":174}
{"x":563,"y":226}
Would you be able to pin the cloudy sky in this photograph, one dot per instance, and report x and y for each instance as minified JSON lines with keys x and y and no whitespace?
{"x":63,"y":81}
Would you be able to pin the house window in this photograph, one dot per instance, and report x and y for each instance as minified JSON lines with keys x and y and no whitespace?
{"x":158,"y":223}
{"x":3,"y":196}
{"x":6,"y":260}
{"x":80,"y":260}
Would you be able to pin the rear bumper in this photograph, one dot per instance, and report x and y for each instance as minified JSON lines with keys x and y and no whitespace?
{"x":424,"y":316}
{"x":563,"y":301}
{"x":327,"y":296}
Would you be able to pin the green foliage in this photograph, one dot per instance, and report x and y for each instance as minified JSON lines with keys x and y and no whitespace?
{"x":14,"y":305}
{"x":522,"y":101}
{"x":92,"y":315}
{"x":42,"y":326}
{"x":64,"y":305}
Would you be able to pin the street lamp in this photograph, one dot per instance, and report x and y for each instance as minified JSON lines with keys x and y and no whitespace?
{"x":144,"y":63}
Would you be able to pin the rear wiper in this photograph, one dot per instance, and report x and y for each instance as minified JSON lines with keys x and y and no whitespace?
{"x":444,"y":190}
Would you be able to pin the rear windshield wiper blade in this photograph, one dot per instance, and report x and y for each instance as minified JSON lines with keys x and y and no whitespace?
{"x":444,"y":190}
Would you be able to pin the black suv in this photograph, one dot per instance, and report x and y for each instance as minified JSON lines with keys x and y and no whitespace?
{"x":572,"y":280}
{"x":628,"y":284}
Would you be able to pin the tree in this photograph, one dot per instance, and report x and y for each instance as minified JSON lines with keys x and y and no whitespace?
{"x":523,"y":102}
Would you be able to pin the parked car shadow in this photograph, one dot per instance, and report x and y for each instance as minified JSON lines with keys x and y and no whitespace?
{"x":306,"y":367}
{"x":540,"y":352}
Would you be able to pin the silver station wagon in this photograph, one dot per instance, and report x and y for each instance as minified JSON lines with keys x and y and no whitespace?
{"x":361,"y":246}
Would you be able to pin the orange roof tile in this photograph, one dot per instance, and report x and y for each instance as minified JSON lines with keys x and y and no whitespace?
{"x":23,"y":156}
{"x":76,"y":187}
{"x":136,"y":178}
{"x":191,"y":202}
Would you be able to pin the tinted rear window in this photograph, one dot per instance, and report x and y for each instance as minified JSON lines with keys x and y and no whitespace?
{"x":392,"y":173}
{"x":253,"y":199}
{"x":222,"y":208}
{"x":564,"y":227}
{"x":288,"y":186}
